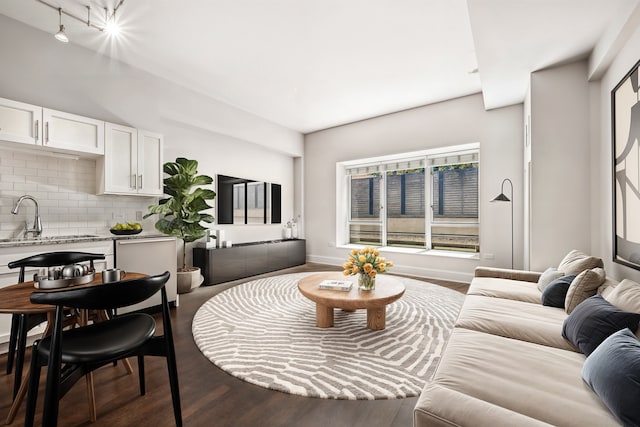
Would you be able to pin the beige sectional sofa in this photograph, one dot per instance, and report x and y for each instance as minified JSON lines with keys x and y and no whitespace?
{"x":506,"y":362}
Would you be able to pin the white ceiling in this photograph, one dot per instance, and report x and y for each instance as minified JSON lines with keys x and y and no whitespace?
{"x":309,"y":65}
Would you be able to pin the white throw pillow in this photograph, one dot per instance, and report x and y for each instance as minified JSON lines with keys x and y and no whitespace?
{"x":625,"y":296}
{"x":548,"y":276}
{"x":575,"y":262}
{"x":585,"y":285}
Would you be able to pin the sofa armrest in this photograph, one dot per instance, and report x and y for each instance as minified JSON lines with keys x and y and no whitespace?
{"x":505,"y":273}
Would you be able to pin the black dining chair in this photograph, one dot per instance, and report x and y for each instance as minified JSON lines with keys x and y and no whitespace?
{"x":21,"y":324}
{"x":70,"y":354}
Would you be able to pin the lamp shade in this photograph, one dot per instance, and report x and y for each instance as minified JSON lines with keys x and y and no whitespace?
{"x":501,"y":198}
{"x":61,"y":36}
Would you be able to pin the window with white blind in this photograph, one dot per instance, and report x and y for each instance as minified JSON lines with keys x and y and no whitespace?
{"x":426,"y":200}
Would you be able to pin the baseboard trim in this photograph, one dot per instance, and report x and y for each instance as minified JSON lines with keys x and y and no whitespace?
{"x":426,"y":273}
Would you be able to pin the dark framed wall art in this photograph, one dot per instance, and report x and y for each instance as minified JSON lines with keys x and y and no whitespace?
{"x":625,"y":136}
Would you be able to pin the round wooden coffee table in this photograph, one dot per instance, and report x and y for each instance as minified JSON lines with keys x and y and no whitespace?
{"x":375,"y":302}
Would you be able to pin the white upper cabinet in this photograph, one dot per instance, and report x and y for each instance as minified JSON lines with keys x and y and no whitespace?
{"x":132,"y":162}
{"x":20,"y":122}
{"x":150,"y":163}
{"x":72,"y":132}
{"x":51,"y":129}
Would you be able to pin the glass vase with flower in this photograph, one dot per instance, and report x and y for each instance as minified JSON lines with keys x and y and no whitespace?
{"x":367,"y":264}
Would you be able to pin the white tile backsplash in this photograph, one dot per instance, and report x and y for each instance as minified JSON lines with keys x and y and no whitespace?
{"x":66,"y":194}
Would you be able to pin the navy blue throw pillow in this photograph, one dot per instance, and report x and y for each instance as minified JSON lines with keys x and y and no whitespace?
{"x":613,"y":372}
{"x":593,"y":320}
{"x":555,"y":292}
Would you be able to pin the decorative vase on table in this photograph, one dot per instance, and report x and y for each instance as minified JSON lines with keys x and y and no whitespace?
{"x":367,"y":264}
{"x":366,"y":282}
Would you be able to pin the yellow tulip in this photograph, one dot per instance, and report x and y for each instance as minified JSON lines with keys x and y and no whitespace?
{"x":347,"y":272}
{"x":354,"y":251}
{"x":367,"y":268}
{"x":389,"y":264}
{"x":372,"y":273}
{"x":382,"y":266}
{"x":376,"y":252}
{"x":355,"y":270}
{"x":362,"y":258}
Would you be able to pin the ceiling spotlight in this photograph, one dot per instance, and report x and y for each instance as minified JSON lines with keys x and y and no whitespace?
{"x":111,"y":23}
{"x":60,"y":35}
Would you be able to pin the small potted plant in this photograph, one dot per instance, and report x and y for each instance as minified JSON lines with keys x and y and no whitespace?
{"x":182,"y":213}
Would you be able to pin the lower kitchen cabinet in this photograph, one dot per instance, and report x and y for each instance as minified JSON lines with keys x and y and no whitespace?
{"x":152,"y":255}
{"x":221,"y":265}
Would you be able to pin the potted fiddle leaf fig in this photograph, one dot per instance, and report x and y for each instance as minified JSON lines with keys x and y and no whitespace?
{"x":182,"y":213}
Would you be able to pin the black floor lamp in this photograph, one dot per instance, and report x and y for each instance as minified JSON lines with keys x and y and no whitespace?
{"x":503,"y":198}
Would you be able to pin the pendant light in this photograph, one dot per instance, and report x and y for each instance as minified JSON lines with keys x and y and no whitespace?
{"x":60,"y":35}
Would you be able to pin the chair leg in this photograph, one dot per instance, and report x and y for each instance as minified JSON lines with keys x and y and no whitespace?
{"x":91,"y":397}
{"x":13,"y":337}
{"x":143,"y":388}
{"x":175,"y":389}
{"x":54,"y":368}
{"x":21,"y":348}
{"x":34,"y":382}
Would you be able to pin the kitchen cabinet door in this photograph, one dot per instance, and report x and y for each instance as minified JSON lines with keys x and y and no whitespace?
{"x":149,"y":163}
{"x":20,"y":122}
{"x":72,"y":132}
{"x":118,"y":169}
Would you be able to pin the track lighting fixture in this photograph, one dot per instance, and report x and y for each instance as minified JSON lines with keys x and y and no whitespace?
{"x":110,"y":24}
{"x":60,"y":35}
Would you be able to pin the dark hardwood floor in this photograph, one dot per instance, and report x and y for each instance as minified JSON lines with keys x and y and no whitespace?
{"x":209,"y":396}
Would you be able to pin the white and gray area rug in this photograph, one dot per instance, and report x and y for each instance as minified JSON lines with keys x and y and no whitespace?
{"x":264,"y":332}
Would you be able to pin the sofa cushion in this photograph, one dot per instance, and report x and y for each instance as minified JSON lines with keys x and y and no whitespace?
{"x":505,"y":288}
{"x":536,"y":381}
{"x":575,"y":262}
{"x":593,"y":321}
{"x":585,"y":285}
{"x":514,"y":319}
{"x":625,"y":296}
{"x":547,"y":277}
{"x":555,"y":294}
{"x":613,"y":372}
{"x":439,"y":406}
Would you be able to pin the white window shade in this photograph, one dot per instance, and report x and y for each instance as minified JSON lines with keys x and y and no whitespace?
{"x":431,"y":160}
{"x":452,"y":158}
{"x":402,"y":164}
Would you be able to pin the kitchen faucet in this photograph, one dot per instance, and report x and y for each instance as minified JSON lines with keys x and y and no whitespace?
{"x":37,"y":224}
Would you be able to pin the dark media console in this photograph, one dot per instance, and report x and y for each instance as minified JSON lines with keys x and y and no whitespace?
{"x":219,"y":265}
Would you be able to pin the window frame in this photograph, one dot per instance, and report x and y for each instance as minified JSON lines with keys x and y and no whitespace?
{"x":345,"y":170}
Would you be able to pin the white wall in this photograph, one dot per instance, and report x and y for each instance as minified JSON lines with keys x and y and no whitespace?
{"x":39,"y":70}
{"x":560,"y":211}
{"x":453,"y":122}
{"x":602,"y":146}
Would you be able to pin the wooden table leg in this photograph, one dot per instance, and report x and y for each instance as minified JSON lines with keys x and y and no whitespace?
{"x":15,"y":405}
{"x":377,"y":318}
{"x":324,"y":316}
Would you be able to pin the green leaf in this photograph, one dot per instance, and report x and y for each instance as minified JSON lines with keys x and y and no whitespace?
{"x":202,"y":180}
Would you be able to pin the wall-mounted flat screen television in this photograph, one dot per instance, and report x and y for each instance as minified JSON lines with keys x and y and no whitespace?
{"x":246,"y":201}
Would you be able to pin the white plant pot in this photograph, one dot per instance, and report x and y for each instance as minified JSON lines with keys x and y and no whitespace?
{"x":189,"y":280}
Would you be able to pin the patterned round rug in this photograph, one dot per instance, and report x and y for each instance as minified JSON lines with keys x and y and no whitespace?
{"x":264,"y":332}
